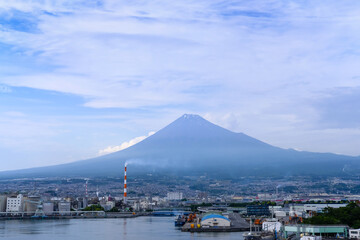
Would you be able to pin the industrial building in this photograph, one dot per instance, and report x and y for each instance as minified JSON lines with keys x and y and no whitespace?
{"x":64,"y":208}
{"x":258,"y":210}
{"x":320,"y":207}
{"x":48,"y":208}
{"x":302,"y":210}
{"x":314,"y":230}
{"x":31,"y":203}
{"x":215,"y":220}
{"x":107,"y":205}
{"x":354,"y":233}
{"x":271,"y":226}
{"x":14,"y":203}
{"x":3,"y":203}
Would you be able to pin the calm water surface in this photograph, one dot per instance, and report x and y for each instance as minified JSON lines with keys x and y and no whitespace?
{"x":160,"y":228}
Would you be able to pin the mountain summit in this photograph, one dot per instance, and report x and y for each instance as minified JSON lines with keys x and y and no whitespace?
{"x":193,"y":145}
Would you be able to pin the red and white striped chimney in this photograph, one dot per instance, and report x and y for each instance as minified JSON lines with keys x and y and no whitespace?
{"x":125,"y":192}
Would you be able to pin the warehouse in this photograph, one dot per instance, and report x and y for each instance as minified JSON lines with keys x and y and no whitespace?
{"x":215,"y":220}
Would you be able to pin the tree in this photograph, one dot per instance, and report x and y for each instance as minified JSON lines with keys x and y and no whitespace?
{"x":349,"y":215}
{"x":114,"y":209}
{"x":94,"y":208}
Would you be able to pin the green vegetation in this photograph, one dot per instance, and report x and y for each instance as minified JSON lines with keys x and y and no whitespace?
{"x":349,"y":215}
{"x":114,"y":209}
{"x":94,"y":208}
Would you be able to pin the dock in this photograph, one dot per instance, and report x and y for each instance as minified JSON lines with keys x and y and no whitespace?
{"x":238,"y":224}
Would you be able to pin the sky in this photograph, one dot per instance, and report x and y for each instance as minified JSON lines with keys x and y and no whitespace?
{"x":82,"y":78}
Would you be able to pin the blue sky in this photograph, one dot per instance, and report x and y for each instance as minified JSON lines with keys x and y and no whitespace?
{"x":80,"y":77}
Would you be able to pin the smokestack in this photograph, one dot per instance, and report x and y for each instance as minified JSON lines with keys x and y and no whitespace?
{"x":125,"y":193}
{"x":86,"y":189}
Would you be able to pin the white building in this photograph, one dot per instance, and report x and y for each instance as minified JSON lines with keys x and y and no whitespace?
{"x":311,"y":237}
{"x":64,"y":208}
{"x":14,"y":204}
{"x":354,"y":233}
{"x":108,"y":205}
{"x":271,"y":226}
{"x":320,"y":207}
{"x":174,"y":195}
{"x":296,"y":211}
{"x":280,"y":214}
{"x":111,"y":204}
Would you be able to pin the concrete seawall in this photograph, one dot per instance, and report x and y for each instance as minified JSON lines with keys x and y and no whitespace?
{"x":72,"y":215}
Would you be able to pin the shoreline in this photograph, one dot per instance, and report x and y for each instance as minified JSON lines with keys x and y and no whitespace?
{"x":91,"y":215}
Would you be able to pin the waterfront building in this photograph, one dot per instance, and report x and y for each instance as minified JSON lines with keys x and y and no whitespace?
{"x":271,"y":226}
{"x":311,"y":237}
{"x":136,"y":205}
{"x":14,"y":203}
{"x":3,"y":199}
{"x":31,"y":203}
{"x":48,"y":208}
{"x":215,"y":220}
{"x":84,"y":203}
{"x":329,"y":231}
{"x":354,"y":233}
{"x":107,"y":205}
{"x":64,"y":208}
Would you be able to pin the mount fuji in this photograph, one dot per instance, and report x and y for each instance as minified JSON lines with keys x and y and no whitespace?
{"x":192,"y":145}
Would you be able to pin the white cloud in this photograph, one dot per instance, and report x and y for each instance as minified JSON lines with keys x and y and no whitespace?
{"x":124,"y":145}
{"x":14,"y":114}
{"x":255,"y":66}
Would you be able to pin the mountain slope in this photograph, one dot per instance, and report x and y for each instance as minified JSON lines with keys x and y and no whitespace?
{"x":192,"y":145}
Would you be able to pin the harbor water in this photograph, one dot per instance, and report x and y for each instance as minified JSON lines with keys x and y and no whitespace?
{"x":159,"y":228}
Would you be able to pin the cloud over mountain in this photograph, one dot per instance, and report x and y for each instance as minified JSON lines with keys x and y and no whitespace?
{"x":124,"y":145}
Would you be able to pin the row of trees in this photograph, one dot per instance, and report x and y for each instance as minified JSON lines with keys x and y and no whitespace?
{"x":98,"y":207}
{"x":349,"y":215}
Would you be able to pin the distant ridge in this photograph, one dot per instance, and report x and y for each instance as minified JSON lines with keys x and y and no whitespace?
{"x":193,"y":145}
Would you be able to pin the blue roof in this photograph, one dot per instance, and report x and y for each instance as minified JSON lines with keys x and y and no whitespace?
{"x":214,"y":216}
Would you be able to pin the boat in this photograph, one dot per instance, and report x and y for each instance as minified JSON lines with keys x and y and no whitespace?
{"x":259,"y":236}
{"x":263,"y":235}
{"x":180,"y":220}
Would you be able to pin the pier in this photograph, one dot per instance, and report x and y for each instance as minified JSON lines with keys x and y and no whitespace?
{"x":238,"y":224}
